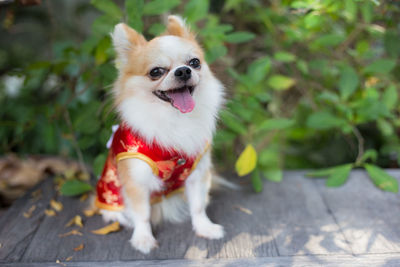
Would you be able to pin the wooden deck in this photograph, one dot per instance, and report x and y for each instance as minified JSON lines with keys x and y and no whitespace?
{"x":298,"y":222}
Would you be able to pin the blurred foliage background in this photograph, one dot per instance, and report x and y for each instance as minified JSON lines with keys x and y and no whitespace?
{"x":310,"y":83}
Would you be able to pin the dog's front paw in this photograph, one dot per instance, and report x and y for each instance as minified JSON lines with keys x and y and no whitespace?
{"x":210,"y":230}
{"x":143,"y":243}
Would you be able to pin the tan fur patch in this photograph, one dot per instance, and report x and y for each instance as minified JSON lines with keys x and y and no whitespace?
{"x":174,"y":27}
{"x":134,"y":37}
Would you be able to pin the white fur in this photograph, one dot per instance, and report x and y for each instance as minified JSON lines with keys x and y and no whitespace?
{"x":155,"y":119}
{"x":121,"y":44}
{"x":196,"y":189}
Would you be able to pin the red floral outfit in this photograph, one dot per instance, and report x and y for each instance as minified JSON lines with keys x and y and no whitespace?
{"x":172,"y":167}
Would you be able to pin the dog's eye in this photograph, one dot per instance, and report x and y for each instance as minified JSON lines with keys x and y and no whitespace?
{"x":156,"y":73}
{"x":194,"y":63}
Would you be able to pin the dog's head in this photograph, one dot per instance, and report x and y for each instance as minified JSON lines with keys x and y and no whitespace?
{"x":164,"y":80}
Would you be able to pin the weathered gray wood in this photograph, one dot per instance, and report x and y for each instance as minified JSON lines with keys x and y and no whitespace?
{"x":16,"y":231}
{"x":47,"y":244}
{"x":246,"y":235}
{"x":368,"y":217}
{"x":376,"y":260}
{"x":298,"y":221}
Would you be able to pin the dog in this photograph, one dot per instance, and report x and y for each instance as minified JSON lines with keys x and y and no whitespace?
{"x":159,"y":163}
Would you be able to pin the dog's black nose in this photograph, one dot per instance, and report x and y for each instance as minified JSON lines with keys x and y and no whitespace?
{"x":183,"y":73}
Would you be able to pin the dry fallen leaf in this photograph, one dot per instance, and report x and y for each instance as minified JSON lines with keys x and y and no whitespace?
{"x":79,"y":248}
{"x":107,"y":229}
{"x":91,"y":212}
{"x":49,"y":212}
{"x":83,"y":197}
{"x":77,"y":220}
{"x":242,"y":209}
{"x":1,"y":245}
{"x":56,"y":205}
{"x":69,"y":258}
{"x":28,"y":213}
{"x":72,"y":232}
{"x":59,"y":262}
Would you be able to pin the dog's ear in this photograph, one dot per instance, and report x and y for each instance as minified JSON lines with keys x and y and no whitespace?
{"x":177,"y":26}
{"x":125,"y":39}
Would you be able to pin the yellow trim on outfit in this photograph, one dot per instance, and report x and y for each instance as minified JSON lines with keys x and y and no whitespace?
{"x":130,"y":155}
{"x":200,"y":157}
{"x":105,"y":206}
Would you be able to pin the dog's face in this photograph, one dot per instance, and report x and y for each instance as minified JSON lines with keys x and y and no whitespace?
{"x":165,"y":84}
{"x":168,"y":67}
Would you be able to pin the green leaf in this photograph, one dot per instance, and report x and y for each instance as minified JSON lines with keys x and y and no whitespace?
{"x":329,"y":97}
{"x":381,"y":66}
{"x":86,"y":120}
{"x":392,"y":41}
{"x":273,"y":175}
{"x":259,"y":68}
{"x":156,"y":29}
{"x":275,"y":124}
{"x":269,"y":158}
{"x":313,"y":21}
{"x":302,"y":66}
{"x":196,"y":10}
{"x":367,"y":10}
{"x":134,"y":12}
{"x":382,"y":179}
{"x":280,"y":82}
{"x":385,"y":127}
{"x":329,"y":40}
{"x":339,"y":175}
{"x":369,"y":154}
{"x":390,"y":97}
{"x":324,"y":120}
{"x":157,"y":7}
{"x":215,"y":52}
{"x":232,"y":123}
{"x":75,"y":187}
{"x":247,"y":161}
{"x":108,"y":7}
{"x":283,"y":56}
{"x":256,"y":181}
{"x":98,"y":163}
{"x":239,"y":37}
{"x":350,"y":8}
{"x":101,"y":55}
{"x":103,"y":25}
{"x":369,"y":109}
{"x":348,"y":81}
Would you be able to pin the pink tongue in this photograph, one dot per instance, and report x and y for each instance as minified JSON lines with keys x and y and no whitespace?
{"x":182,"y":100}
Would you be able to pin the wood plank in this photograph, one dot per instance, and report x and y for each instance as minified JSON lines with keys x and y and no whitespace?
{"x":47,"y":243}
{"x":298,"y":218}
{"x":295,"y":217}
{"x":16,"y":231}
{"x":246,"y":235}
{"x":376,"y":260}
{"x":368,"y":217}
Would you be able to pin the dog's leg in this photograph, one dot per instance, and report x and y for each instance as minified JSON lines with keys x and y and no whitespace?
{"x":196,"y":189}
{"x":138,"y":182}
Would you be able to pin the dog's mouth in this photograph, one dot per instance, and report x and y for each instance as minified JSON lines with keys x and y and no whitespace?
{"x":180,"y":98}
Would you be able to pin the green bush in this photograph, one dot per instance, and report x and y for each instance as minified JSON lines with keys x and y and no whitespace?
{"x":310,"y":84}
